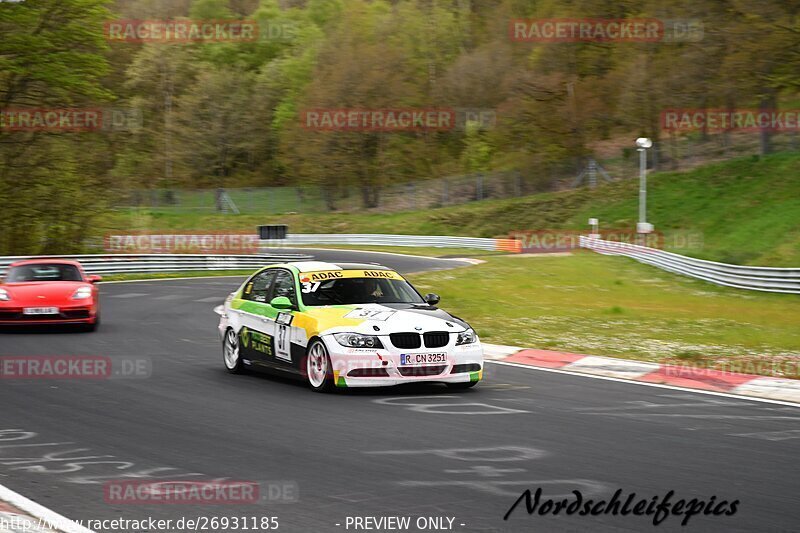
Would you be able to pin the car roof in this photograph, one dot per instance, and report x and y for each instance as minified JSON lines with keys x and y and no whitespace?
{"x":316,"y":266}
{"x":45,"y":261}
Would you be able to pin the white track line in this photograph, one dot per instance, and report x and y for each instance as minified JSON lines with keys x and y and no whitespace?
{"x":48,"y":517}
{"x":643,"y":383}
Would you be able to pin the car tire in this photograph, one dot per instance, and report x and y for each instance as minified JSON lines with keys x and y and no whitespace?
{"x":461,"y":386}
{"x":93,"y":326}
{"x":231,"y":357}
{"x":319,"y":371}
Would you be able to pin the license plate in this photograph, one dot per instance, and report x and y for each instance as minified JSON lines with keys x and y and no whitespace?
{"x":413,"y":359}
{"x":40,"y":311}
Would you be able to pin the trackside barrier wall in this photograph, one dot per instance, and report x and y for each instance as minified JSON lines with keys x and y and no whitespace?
{"x":768,"y":279}
{"x":376,"y":239}
{"x":142,"y":263}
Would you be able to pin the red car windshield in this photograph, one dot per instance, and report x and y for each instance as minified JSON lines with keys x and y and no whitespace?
{"x":43,"y":272}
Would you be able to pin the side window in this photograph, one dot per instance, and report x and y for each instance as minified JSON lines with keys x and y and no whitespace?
{"x":257,"y":288}
{"x":284,"y":286}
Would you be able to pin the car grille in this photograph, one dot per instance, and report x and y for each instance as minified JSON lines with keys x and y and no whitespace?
{"x":460,"y":369}
{"x":421,"y":370}
{"x":17,"y":315}
{"x":29,"y":318}
{"x":78,"y":313}
{"x":406,"y":340}
{"x":436,"y":339}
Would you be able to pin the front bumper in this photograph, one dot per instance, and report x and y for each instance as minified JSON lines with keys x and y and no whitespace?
{"x":356,"y":367}
{"x":77,"y":314}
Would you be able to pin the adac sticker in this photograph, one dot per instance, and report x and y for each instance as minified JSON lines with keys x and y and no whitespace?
{"x":325,"y":275}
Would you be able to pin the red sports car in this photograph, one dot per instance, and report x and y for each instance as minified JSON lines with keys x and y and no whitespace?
{"x":49,"y":291}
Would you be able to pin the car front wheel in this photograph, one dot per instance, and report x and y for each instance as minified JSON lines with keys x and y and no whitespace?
{"x":230,"y":352}
{"x":93,"y":326}
{"x":318,"y":368}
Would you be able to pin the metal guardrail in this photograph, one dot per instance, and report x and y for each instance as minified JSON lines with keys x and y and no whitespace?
{"x":434,"y":241}
{"x":768,"y":279}
{"x":143,"y":263}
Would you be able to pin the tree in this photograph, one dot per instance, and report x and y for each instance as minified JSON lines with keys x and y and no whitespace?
{"x":42,"y":181}
{"x":213,"y":125}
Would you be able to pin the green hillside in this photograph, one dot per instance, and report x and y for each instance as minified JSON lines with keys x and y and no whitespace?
{"x":747,"y":211}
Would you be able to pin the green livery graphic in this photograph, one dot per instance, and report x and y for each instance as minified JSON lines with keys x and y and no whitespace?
{"x":254,"y":340}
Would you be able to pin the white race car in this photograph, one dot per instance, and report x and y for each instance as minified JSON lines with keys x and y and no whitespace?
{"x":345,"y":325}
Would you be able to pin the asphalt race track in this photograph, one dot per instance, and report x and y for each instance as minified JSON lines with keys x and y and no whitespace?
{"x":418,"y":452}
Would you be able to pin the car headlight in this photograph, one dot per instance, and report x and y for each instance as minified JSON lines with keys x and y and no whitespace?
{"x":466,"y":337}
{"x":357,"y":340}
{"x":82,"y":293}
{"x":4,"y":296}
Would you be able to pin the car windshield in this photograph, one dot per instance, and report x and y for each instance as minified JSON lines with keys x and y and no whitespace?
{"x":359,"y":291}
{"x":43,"y":272}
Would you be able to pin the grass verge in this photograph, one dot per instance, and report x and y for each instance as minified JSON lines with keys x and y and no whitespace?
{"x":613,"y":306}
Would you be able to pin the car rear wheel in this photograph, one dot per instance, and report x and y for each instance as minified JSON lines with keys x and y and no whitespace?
{"x":318,"y":368}
{"x":230,"y":352}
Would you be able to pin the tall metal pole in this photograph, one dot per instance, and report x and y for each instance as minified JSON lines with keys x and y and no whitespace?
{"x":642,"y":185}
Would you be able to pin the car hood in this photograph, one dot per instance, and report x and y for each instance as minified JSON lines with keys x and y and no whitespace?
{"x":383,"y":319}
{"x":42,"y":293}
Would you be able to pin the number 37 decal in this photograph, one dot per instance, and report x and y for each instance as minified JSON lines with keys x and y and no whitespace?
{"x":310,"y":287}
{"x":283,"y":339}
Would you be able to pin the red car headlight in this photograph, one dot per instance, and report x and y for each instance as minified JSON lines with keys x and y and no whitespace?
{"x":4,"y":296}
{"x":82,"y":293}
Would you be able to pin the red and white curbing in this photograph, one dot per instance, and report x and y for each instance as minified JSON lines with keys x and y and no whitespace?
{"x":18,"y":513}
{"x":787,"y":390}
{"x":13,"y":520}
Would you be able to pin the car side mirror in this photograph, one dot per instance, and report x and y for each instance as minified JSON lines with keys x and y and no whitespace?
{"x":94,"y":278}
{"x":281,"y":302}
{"x":432,"y":299}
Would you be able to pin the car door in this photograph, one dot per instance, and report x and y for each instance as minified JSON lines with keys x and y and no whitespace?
{"x":255,"y":334}
{"x":283,"y":285}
